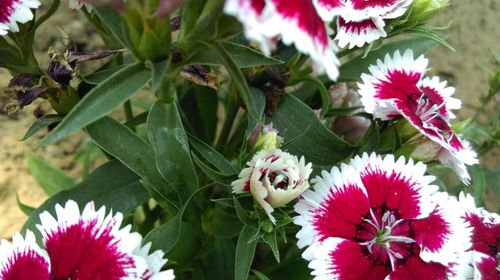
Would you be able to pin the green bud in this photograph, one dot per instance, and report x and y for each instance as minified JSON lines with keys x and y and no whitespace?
{"x":423,"y":10}
{"x":267,"y":226}
{"x":406,"y":130}
{"x":268,"y":141}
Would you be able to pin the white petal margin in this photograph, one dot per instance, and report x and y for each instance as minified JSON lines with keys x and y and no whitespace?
{"x":21,"y":14}
{"x":155,"y":262}
{"x":383,"y":109}
{"x":69,"y":215}
{"x":458,"y":160}
{"x":240,"y":185}
{"x":323,"y":55}
{"x":245,"y":12}
{"x":394,"y":10}
{"x":477,"y":259}
{"x":357,"y":34}
{"x":331,"y":182}
{"x":320,"y":259}
{"x":9,"y":253}
{"x":458,"y":240}
{"x":445,"y":92}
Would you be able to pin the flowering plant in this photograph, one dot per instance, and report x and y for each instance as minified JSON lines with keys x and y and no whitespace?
{"x":259,"y":139}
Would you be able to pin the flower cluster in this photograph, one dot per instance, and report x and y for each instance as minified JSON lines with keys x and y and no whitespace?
{"x":13,"y":12}
{"x":384,"y":216}
{"x":274,"y":178}
{"x":396,"y":87}
{"x":86,"y":245}
{"x":304,"y":23}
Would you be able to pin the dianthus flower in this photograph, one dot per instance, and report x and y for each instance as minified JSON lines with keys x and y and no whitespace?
{"x":304,"y":23}
{"x":378,"y":218}
{"x":274,"y":178}
{"x":15,"y":11}
{"x":396,"y":87}
{"x":90,"y":245}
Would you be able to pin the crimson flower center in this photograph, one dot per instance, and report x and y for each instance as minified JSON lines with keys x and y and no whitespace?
{"x":386,"y":233}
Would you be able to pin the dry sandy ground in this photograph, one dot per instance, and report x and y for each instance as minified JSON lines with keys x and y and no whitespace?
{"x":474,"y":34}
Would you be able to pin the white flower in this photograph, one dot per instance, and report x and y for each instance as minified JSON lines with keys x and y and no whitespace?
{"x":15,"y":11}
{"x":274,"y":178}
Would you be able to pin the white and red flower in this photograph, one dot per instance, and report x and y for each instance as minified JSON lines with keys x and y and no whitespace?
{"x":86,"y":245}
{"x":482,"y":261}
{"x":396,"y":87}
{"x":304,"y":23}
{"x":274,"y":178}
{"x":378,"y":218}
{"x":16,"y":11}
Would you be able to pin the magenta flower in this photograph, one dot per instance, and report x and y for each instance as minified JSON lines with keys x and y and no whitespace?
{"x":482,"y":261}
{"x":378,"y":218}
{"x":14,"y":11}
{"x":90,"y":245}
{"x":397,"y":87}
{"x":304,"y":23}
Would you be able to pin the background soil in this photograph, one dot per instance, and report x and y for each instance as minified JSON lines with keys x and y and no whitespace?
{"x":474,"y":34}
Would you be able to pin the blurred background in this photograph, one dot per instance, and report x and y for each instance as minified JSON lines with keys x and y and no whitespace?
{"x":474,"y":34}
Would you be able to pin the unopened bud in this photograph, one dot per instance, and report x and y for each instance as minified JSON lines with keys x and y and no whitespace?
{"x":267,"y":139}
{"x":423,"y":10}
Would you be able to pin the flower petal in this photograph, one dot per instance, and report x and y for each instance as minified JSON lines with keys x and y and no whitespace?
{"x":23,"y":259}
{"x":14,"y":11}
{"x":357,"y":10}
{"x":90,"y":244}
{"x":337,"y":258}
{"x":328,"y":9}
{"x":415,"y":268}
{"x":359,"y":33}
{"x":298,"y":23}
{"x":485,"y":267}
{"x":155,"y":262}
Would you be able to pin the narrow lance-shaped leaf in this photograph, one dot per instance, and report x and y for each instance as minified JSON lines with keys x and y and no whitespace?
{"x":243,"y":56}
{"x":101,"y":100}
{"x":171,"y":149}
{"x":245,"y":251}
{"x":121,"y":142}
{"x":296,"y":121}
{"x":51,"y":179}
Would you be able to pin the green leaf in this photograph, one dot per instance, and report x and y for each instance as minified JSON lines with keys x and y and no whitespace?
{"x":218,"y":177}
{"x":352,"y":70}
{"x":270,"y":239}
{"x":245,"y":250}
{"x":370,"y":140}
{"x":243,"y":214}
{"x":171,"y":149}
{"x":100,"y":76}
{"x":316,"y":142}
{"x":158,"y":71}
{"x":212,"y":156}
{"x":101,"y":100}
{"x":115,"y":23}
{"x":41,"y":123}
{"x":122,"y":143}
{"x":260,"y":275}
{"x":478,"y":183}
{"x":111,"y":185}
{"x":25,"y":208}
{"x":225,"y":223}
{"x":220,"y":261}
{"x":243,"y":56}
{"x":237,"y":76}
{"x":165,"y":236}
{"x":51,"y":179}
{"x":427,"y":33}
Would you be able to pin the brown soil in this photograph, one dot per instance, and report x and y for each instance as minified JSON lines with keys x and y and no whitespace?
{"x":474,"y":35}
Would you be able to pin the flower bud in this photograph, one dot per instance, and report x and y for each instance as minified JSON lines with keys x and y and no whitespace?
{"x":423,"y":10}
{"x":426,"y":151}
{"x":274,"y":178}
{"x":268,"y":139}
